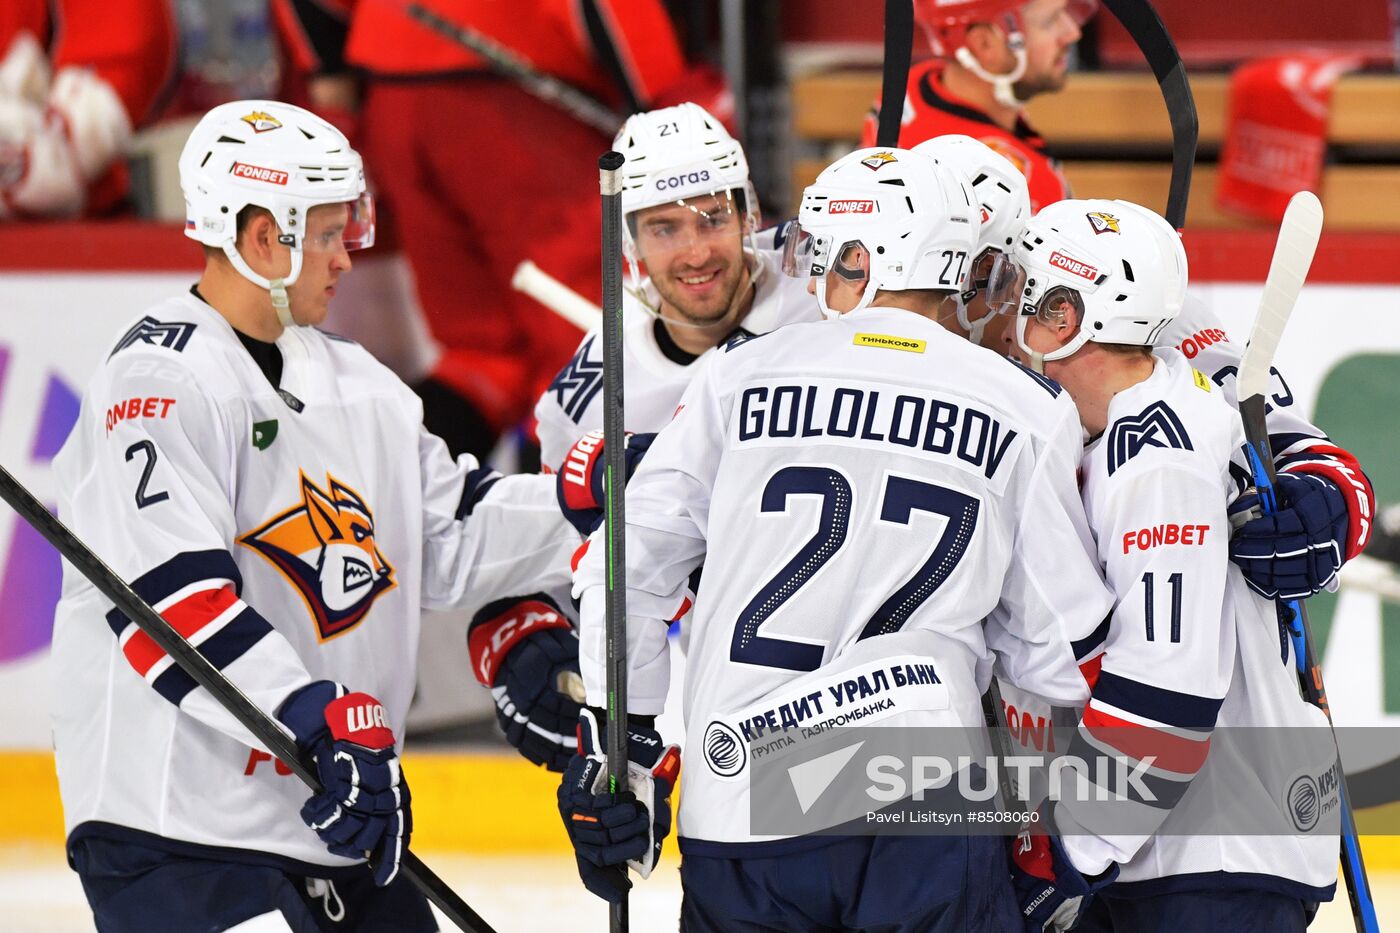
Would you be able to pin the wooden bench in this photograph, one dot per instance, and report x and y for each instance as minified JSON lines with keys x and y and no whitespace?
{"x":1121,"y":112}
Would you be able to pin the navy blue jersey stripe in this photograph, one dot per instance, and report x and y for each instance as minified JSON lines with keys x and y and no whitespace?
{"x":1088,"y":643}
{"x":1279,"y":443}
{"x":1169,"y":707}
{"x":221,"y":649}
{"x":176,"y":574}
{"x":478,"y":484}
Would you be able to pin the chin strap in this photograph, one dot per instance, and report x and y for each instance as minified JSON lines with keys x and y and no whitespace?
{"x":277,"y":288}
{"x":1002,"y":88}
{"x":866,"y":297}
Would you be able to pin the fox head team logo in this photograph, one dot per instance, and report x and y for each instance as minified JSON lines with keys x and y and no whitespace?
{"x":325,"y":547}
{"x":878,"y":160}
{"x":261,"y":122}
{"x":1100,"y":222}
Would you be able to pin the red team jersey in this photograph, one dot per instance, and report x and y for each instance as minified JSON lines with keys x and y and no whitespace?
{"x":930,"y":110}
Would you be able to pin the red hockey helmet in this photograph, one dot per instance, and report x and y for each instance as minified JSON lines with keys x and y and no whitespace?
{"x":946,"y":22}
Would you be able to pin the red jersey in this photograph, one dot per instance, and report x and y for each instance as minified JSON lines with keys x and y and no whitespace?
{"x":569,"y":39}
{"x":930,"y":110}
{"x":131,"y":44}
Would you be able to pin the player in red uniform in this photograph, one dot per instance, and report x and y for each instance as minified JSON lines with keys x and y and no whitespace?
{"x":482,"y":175}
{"x":991,"y":56}
{"x":76,"y":77}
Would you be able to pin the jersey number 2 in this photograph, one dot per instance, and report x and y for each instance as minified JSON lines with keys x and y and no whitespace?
{"x":903,"y":497}
{"x":144,"y":498}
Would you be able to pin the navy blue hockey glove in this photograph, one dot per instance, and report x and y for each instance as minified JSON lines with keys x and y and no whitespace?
{"x":606,"y":833}
{"x":1295,"y":552}
{"x":580,"y":483}
{"x":526,"y":651}
{"x":1050,"y":892}
{"x":363,"y":812}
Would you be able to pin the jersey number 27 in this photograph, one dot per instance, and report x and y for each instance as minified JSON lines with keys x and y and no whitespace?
{"x":903,"y":497}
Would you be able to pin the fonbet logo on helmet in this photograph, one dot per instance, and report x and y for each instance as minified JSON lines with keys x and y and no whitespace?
{"x":1073,"y":266}
{"x":261,"y":122}
{"x":851,"y":207}
{"x":325,"y":547}
{"x":258,"y":173}
{"x":1102,"y":222}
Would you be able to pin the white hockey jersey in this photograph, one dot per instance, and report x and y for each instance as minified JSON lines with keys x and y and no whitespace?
{"x":292,"y":534}
{"x":871,"y":476}
{"x":1191,"y":648}
{"x":652,"y":382}
{"x":1298,"y":445}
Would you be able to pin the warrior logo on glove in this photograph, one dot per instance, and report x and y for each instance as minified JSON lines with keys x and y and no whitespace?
{"x":325,"y":548}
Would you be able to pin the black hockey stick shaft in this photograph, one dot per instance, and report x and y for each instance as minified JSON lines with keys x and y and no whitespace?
{"x":512,"y":65}
{"x":1293,"y":255}
{"x":1141,"y":21}
{"x":614,"y":483}
{"x":212,"y":679}
{"x":899,"y":48}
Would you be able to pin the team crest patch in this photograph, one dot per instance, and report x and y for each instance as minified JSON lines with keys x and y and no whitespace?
{"x":1156,"y":426}
{"x":262,"y":122}
{"x":325,"y":548}
{"x":1102,"y":223}
{"x":878,"y":160}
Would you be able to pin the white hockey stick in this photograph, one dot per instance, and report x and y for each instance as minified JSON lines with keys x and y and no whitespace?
{"x":1293,"y":254}
{"x":531,"y":280}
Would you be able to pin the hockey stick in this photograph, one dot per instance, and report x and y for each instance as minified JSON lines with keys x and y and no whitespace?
{"x":614,"y":479}
{"x":523,"y":72}
{"x":894,"y":83}
{"x":1145,"y":26}
{"x":1293,"y":254}
{"x":212,"y":679}
{"x":531,"y":280}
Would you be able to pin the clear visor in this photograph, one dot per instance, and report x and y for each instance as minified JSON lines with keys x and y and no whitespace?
{"x":799,"y":252}
{"x":996,"y":279}
{"x":349,"y":225}
{"x":688,"y":230}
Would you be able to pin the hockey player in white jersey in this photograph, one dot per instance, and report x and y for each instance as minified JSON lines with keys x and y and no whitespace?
{"x":855,"y":502}
{"x":691,"y":220}
{"x":1190,"y":647}
{"x":271,"y":491}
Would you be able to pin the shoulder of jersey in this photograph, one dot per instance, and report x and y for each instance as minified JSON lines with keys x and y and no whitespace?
{"x":1192,"y":421}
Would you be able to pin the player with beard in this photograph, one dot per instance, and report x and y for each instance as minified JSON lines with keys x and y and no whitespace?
{"x":691,"y":218}
{"x":690,"y":221}
{"x":990,"y":58}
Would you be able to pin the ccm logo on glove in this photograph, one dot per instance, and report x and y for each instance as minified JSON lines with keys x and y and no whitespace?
{"x":490,"y":641}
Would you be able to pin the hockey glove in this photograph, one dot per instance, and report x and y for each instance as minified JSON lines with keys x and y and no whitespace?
{"x":1050,"y":891}
{"x":363,"y":811}
{"x":608,"y":833}
{"x":526,"y":651}
{"x":1297,"y":551}
{"x":580,"y":484}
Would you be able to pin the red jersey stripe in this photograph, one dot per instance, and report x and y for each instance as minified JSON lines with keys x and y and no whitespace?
{"x":188,"y":617}
{"x":1139,"y":742}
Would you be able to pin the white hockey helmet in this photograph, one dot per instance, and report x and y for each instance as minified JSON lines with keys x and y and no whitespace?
{"x":1004,"y":196}
{"x":677,"y":153}
{"x":914,"y":220}
{"x":278,"y":157}
{"x":1119,"y":264}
